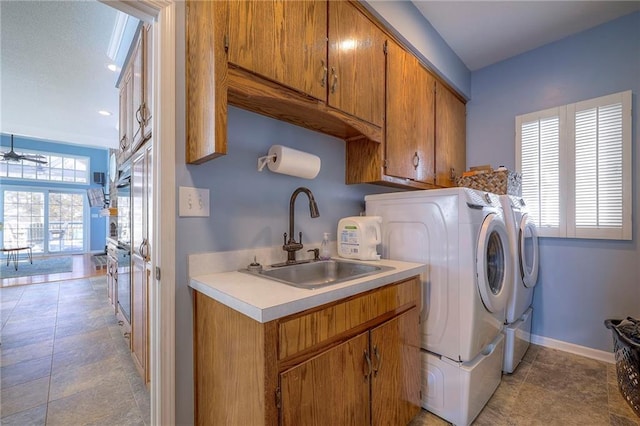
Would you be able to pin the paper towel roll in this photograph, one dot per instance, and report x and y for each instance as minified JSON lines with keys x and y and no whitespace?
{"x":292,"y":162}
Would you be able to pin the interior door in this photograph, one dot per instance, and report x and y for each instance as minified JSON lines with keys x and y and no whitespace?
{"x":528,"y":251}
{"x":329,"y":389}
{"x":493,"y":264}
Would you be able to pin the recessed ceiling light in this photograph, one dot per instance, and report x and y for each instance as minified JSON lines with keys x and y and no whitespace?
{"x":103,"y":112}
{"x":112,"y":67}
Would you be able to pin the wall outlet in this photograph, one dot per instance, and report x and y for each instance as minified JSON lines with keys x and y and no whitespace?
{"x":194,"y":202}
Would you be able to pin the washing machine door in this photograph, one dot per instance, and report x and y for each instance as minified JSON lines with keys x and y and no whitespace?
{"x":528,"y":251}
{"x":493,"y":265}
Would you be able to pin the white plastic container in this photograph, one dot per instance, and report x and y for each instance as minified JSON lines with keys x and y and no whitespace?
{"x":358,"y":237}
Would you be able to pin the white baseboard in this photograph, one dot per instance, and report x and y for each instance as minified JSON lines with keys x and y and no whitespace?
{"x":573,"y":348}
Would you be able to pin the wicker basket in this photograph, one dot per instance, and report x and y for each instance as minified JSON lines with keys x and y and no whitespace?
{"x":497,"y":182}
{"x":627,"y":353}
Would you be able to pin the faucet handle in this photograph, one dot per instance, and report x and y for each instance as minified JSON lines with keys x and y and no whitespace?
{"x":285,"y":238}
{"x":300,"y":237}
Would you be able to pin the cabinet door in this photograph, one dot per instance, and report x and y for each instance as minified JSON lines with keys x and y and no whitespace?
{"x":356,"y":63}
{"x":137,"y":57}
{"x":147,"y":81}
{"x":451,"y":137}
{"x":206,"y":80}
{"x":395,"y":383}
{"x":282,"y":40}
{"x":330,"y":389}
{"x":139,"y":314}
{"x":409,"y":141}
{"x":138,"y":194}
{"x":124,"y":118}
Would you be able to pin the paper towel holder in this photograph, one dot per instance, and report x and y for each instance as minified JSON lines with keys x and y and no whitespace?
{"x":262,"y":161}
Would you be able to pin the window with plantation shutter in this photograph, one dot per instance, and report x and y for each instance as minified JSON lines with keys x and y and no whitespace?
{"x":575,"y":162}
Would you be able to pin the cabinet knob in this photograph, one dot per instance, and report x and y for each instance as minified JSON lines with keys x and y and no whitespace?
{"x":416,"y":160}
{"x":452,"y":174}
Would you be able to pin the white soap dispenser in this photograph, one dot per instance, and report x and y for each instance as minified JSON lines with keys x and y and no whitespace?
{"x":325,"y":253}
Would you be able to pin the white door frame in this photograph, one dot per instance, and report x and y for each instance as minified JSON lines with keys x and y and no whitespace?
{"x":161,"y":292}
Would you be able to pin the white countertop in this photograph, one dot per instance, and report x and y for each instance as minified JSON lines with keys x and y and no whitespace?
{"x":265,"y":300}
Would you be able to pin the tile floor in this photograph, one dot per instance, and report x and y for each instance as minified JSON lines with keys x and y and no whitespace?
{"x":552,"y":387}
{"x":64,"y":360}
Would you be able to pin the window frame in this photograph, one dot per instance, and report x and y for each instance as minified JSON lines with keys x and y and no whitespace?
{"x":567,"y":167}
{"x":22,"y":164}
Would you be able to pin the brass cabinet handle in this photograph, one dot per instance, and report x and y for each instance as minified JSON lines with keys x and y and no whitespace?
{"x":367,"y":365}
{"x":376,"y":353}
{"x":416,"y":160}
{"x":452,"y":174}
{"x":323,"y":82}
{"x":335,"y":80}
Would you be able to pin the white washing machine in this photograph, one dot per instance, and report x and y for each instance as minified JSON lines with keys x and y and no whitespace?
{"x":523,"y":239}
{"x":461,"y":235}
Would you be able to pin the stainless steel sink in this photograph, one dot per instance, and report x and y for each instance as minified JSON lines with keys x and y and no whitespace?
{"x":319,"y":273}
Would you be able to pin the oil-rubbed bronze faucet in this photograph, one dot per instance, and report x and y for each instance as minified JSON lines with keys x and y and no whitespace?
{"x":291,"y":246}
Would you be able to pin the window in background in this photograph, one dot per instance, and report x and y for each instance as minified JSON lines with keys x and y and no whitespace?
{"x":575,"y":162}
{"x":59,"y":168}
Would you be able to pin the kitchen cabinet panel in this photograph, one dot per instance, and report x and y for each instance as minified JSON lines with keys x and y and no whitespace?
{"x":242,"y":376}
{"x":356,"y":63}
{"x":206,"y":80}
{"x":410,"y":123}
{"x":141,"y":226}
{"x":329,"y":389}
{"x":451,"y":137}
{"x":395,"y":358}
{"x":284,"y":41}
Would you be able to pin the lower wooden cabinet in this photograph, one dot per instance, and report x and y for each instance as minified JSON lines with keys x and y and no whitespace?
{"x":371,"y":379}
{"x":353,"y":361}
{"x":139,"y":316}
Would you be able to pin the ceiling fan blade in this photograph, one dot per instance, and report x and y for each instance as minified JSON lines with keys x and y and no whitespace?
{"x":34,"y":159}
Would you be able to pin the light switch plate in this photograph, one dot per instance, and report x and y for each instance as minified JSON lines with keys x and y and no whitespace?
{"x":194,"y":202}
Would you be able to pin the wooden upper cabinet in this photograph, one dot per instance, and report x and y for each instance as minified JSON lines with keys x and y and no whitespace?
{"x":206,"y":75}
{"x":284,"y":41}
{"x":410,"y":117}
{"x":451,"y":136}
{"x":356,"y":63}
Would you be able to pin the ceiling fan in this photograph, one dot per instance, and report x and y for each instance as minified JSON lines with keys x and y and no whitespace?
{"x":13,"y":156}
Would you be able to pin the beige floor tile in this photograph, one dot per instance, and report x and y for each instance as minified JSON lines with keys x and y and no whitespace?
{"x":536,"y":405}
{"x":67,"y":343}
{"x":14,"y":339}
{"x":82,"y":355}
{"x":27,"y":352}
{"x":425,"y":418}
{"x":616,"y":420}
{"x":35,"y":416}
{"x":24,"y":396}
{"x":23,"y":372}
{"x":106,"y":372}
{"x":90,"y":406}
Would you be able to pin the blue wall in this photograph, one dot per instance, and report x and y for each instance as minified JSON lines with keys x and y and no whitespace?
{"x":582,"y":282}
{"x":99,"y":163}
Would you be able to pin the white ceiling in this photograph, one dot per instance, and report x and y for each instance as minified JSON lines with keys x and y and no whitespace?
{"x":482,"y":33}
{"x":54,"y":71}
{"x":54,"y":78}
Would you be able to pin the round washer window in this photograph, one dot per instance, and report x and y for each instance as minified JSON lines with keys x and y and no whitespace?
{"x":495,"y":263}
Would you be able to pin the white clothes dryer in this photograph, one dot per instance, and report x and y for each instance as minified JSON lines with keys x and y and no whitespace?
{"x":523,"y":238}
{"x":461,"y":235}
